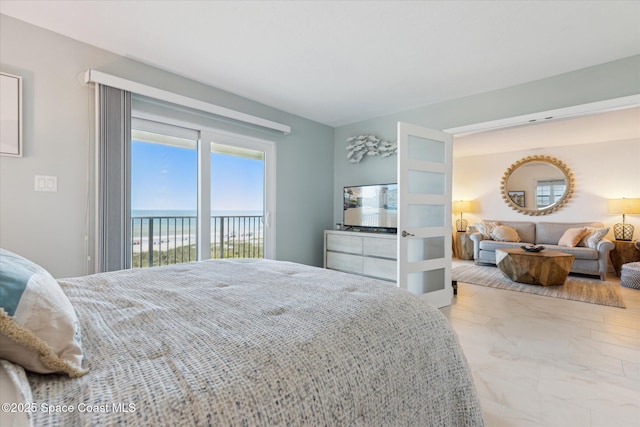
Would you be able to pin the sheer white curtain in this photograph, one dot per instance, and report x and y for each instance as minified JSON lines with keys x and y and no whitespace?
{"x":113,"y":175}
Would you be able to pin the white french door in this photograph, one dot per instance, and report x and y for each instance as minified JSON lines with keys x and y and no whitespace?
{"x":424,"y":213}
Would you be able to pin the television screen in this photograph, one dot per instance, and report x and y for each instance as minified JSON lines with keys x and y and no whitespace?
{"x":371,"y":206}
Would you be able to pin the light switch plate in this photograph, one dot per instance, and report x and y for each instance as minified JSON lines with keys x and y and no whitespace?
{"x":47,"y":183}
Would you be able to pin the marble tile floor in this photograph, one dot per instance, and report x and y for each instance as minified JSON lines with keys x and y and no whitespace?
{"x":541,"y":361}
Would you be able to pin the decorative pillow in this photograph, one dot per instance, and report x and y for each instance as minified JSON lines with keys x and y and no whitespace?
{"x":593,"y":237}
{"x":39,"y":329}
{"x":485,"y":228}
{"x":15,"y":389}
{"x":502,"y":233}
{"x":572,"y":237}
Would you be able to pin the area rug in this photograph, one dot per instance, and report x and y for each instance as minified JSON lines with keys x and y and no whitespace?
{"x":593,"y":291}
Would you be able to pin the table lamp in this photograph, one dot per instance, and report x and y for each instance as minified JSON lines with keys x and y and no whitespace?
{"x":461,"y":206}
{"x":623,"y":206}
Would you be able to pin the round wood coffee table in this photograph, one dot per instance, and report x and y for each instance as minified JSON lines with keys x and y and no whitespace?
{"x":546,"y":268}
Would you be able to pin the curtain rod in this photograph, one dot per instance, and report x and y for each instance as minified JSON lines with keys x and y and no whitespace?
{"x":93,"y":76}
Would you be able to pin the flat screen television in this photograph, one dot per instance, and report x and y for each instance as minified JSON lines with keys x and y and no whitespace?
{"x":371,"y":207}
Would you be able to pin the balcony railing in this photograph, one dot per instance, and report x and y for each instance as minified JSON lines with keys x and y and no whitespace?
{"x":173,"y":239}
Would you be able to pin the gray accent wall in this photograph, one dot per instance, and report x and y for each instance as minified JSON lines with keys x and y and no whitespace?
{"x":51,"y":228}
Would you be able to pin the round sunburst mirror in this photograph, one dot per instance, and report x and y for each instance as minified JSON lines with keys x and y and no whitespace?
{"x":537,"y":185}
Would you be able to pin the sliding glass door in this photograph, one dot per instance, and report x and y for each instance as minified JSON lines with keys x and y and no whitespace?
{"x":237,"y":202}
{"x":197,"y":194}
{"x":241,"y":196}
{"x":164,"y":199}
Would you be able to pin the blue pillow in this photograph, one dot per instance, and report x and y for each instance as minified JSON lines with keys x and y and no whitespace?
{"x":39,"y":329}
{"x":14,"y":277}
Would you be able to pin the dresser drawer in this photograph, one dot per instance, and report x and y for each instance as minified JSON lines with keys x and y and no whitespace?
{"x":344,"y":262}
{"x":378,"y":247}
{"x":381,"y":268}
{"x":344,"y":243}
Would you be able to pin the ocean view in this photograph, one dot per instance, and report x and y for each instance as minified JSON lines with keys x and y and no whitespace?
{"x":182,"y":223}
{"x":174,"y":234}
{"x":174,"y":213}
{"x":164,"y":197}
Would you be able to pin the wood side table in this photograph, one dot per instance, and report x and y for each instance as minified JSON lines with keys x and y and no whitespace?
{"x":464,"y":245}
{"x":546,"y":268}
{"x":623,"y":253}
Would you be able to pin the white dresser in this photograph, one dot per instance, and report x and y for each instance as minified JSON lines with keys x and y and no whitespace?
{"x":367,"y":254}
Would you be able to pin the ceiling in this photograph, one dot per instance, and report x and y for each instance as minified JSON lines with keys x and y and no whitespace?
{"x":617,"y":125}
{"x":339,"y":62}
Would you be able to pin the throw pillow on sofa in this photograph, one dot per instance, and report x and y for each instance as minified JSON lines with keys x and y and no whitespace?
{"x":593,"y":237}
{"x":485,"y":228}
{"x":572,"y":237}
{"x":502,"y":233}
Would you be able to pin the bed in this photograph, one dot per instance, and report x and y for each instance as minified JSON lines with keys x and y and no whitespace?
{"x":254,"y":343}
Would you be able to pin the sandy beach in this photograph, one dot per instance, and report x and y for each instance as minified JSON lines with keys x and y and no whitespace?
{"x":165,"y":243}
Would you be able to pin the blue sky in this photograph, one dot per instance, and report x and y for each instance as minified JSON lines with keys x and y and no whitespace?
{"x":165,"y":178}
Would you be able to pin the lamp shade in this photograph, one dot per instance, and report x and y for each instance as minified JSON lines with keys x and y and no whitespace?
{"x":624,"y":206}
{"x":462,"y":206}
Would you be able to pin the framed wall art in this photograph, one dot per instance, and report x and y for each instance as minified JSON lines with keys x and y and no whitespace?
{"x":10,"y":115}
{"x":517,"y":197}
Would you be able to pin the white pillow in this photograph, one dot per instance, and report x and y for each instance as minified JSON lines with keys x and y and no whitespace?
{"x":39,"y":328}
{"x":14,"y":389}
{"x":502,"y":233}
{"x":485,"y":228}
{"x":572,"y":236}
{"x":593,"y":237}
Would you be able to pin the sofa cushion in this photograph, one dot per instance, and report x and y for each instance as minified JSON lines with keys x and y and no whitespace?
{"x":572,"y":236}
{"x":549,"y":233}
{"x":492,"y":245}
{"x":578,"y":252}
{"x":526,"y":229}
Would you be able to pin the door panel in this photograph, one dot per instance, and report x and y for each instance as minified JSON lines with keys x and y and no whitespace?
{"x":164,"y":199}
{"x":425,"y":150}
{"x":424,"y":213}
{"x":427,"y":248}
{"x":420,"y":182}
{"x":242,"y":200}
{"x":425,"y":282}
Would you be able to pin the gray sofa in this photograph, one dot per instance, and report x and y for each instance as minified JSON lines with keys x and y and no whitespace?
{"x":587,"y":260}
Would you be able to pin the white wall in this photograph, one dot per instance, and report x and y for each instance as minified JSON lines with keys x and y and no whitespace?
{"x":602,"y":171}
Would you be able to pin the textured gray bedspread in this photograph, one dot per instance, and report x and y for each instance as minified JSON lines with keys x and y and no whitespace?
{"x":258,"y":342}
